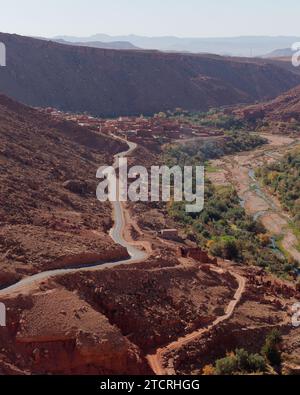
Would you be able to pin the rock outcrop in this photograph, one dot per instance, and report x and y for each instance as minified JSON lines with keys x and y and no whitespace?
{"x":57,"y":332}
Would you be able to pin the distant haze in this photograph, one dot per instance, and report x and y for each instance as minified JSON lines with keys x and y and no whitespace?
{"x":181,"y":18}
{"x":242,"y":28}
{"x":99,"y":44}
{"x":236,"y":46}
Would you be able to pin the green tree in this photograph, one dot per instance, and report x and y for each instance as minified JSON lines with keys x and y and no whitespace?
{"x":250,"y":363}
{"x":271,"y":349}
{"x":227,"y":366}
{"x":240,"y":362}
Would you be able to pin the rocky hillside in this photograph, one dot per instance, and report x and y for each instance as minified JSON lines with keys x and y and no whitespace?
{"x":73,"y":339}
{"x":104,"y":322}
{"x":285,"y":108}
{"x":110,"y":82}
{"x":49,"y":215}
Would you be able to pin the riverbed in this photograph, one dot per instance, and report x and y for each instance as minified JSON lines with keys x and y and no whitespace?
{"x":239,"y":171}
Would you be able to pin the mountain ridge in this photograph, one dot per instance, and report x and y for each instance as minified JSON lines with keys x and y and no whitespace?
{"x":112,"y":83}
{"x":234,"y":46}
{"x":280,"y":53}
{"x":284,"y":108}
{"x":120,"y":45}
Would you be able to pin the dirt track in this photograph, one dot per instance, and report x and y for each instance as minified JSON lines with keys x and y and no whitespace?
{"x":156,"y":361}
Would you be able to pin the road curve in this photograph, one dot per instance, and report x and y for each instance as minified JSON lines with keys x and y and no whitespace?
{"x":156,"y":360}
{"x":116,"y":233}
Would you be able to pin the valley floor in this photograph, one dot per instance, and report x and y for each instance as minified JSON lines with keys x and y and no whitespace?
{"x":239,"y":170}
{"x":108,"y":320}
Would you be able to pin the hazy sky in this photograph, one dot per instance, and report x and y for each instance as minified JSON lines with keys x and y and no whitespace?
{"x":184,"y":18}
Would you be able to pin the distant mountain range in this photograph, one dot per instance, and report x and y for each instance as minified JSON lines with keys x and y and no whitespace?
{"x":107,"y":82}
{"x":98,"y":44}
{"x":234,"y":46}
{"x":281,"y":53}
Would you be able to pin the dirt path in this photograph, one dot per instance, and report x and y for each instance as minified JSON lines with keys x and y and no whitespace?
{"x":130,"y":224}
{"x":156,"y":361}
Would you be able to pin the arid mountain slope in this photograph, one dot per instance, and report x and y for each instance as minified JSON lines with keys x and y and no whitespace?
{"x":109,"y":82}
{"x":49,"y":215}
{"x":285,"y":108}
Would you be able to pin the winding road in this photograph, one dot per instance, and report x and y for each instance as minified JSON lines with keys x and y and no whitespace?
{"x":116,"y":233}
{"x":121,"y":219}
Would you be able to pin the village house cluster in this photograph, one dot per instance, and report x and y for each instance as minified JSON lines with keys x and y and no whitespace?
{"x":140,"y":129}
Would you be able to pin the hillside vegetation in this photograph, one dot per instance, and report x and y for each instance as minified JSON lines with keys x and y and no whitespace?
{"x":201,"y":151}
{"x":223,"y":227}
{"x":283,"y":178}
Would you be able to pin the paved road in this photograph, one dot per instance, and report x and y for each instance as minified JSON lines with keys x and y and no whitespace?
{"x":116,"y":233}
